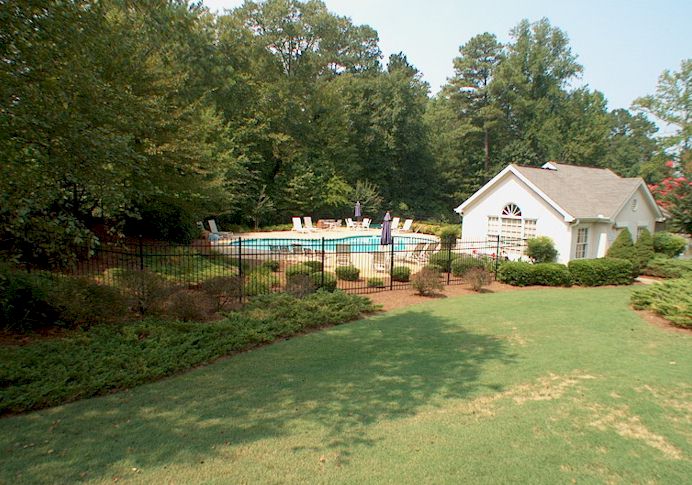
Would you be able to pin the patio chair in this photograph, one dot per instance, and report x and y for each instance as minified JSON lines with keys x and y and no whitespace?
{"x":215,"y":233}
{"x":343,"y":255}
{"x":366,"y":223}
{"x":395,"y":224}
{"x":308,"y":224}
{"x":297,"y":225}
{"x":379,"y":261}
{"x":414,"y":255}
{"x":425,"y":253}
{"x":407,"y":226}
{"x":350,"y":224}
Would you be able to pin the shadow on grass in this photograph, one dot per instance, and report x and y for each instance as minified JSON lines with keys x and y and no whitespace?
{"x":331,"y":385}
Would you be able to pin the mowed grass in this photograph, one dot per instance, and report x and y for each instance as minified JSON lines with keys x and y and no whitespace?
{"x":549,"y":386}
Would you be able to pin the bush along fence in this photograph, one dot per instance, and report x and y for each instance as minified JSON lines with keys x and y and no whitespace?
{"x":250,"y":267}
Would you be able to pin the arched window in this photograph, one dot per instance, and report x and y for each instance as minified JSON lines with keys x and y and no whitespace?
{"x":511,"y":210}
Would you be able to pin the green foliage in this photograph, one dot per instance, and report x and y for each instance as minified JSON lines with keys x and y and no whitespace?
{"x":375,"y":282}
{"x":223,"y":290}
{"x":623,"y":248}
{"x":272,"y":264}
{"x":146,"y":291}
{"x":443,"y":259}
{"x":477,"y":278}
{"x":519,"y":273}
{"x":465,"y":262}
{"x":260,"y":282}
{"x":427,"y":282}
{"x":347,"y":273}
{"x":602,"y":271}
{"x":669,"y":244}
{"x":327,"y":284}
{"x":664,"y":267}
{"x":300,"y":285}
{"x":541,"y":249}
{"x":164,"y":220}
{"x":671,"y":299}
{"x":644,"y":248}
{"x":299,"y":269}
{"x":314,"y":265}
{"x":448,"y":236}
{"x":190,"y":305}
{"x":79,"y":301}
{"x":108,"y":357}
{"x":24,"y":300}
{"x":401,"y":273}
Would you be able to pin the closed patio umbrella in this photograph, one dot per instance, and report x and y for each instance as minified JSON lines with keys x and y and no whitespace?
{"x":357,"y":213}
{"x":386,"y":237}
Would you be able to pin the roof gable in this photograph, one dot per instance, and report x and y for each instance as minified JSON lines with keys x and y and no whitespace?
{"x":575,"y":192}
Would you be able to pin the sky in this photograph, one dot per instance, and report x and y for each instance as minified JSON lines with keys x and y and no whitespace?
{"x":623,"y":45}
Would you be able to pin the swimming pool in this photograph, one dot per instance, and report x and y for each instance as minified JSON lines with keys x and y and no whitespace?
{"x":358,"y":244}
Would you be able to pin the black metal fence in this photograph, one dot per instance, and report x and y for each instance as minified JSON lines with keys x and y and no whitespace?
{"x":357,"y":264}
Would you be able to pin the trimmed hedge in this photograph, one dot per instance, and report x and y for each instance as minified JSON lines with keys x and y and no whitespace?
{"x":401,"y":273}
{"x":347,"y":273}
{"x":669,"y":244}
{"x":314,"y":265}
{"x":443,"y":260}
{"x":465,"y":262}
{"x":329,"y":283}
{"x":299,"y":269}
{"x":376,"y":283}
{"x":519,"y":273}
{"x":602,"y":271}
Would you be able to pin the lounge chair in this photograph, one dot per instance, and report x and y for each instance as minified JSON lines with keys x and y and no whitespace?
{"x":407,"y":226}
{"x":395,"y":224}
{"x":366,"y":223}
{"x":297,"y":225}
{"x":215,"y":233}
{"x":414,"y":255}
{"x":425,"y":253}
{"x":308,"y":224}
{"x":343,"y":255}
{"x":379,"y":261}
{"x":350,"y":224}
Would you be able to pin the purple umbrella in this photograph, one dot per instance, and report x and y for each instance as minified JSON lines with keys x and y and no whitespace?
{"x":386,"y":237}
{"x":357,"y":210}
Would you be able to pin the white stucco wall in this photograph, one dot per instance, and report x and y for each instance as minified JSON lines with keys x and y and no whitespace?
{"x":512,"y":190}
{"x":643,"y":216}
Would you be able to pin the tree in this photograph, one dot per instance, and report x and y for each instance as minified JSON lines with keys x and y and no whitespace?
{"x":672,"y":104}
{"x":631,"y":145}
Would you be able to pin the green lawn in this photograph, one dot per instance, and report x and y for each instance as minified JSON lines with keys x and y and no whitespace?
{"x":546,"y":386}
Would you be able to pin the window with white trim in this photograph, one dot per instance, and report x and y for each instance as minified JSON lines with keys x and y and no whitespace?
{"x":582,"y":243}
{"x":529,"y":228}
{"x":493,"y":225}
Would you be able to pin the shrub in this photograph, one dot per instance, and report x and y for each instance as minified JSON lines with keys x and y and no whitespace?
{"x":516,"y":273}
{"x":427,"y":281}
{"x":644,"y":248}
{"x":80,"y":301}
{"x":669,"y":244}
{"x":449,"y":235}
{"x":465,"y":262}
{"x":623,"y":248}
{"x":24,"y":302}
{"x":541,"y":250}
{"x":300,"y":285}
{"x":401,"y":273}
{"x":477,"y":278}
{"x":147,"y":291}
{"x":190,"y":305}
{"x":602,"y":271}
{"x":443,"y":260}
{"x":375,"y":282}
{"x":222,"y":290}
{"x":272,"y":264}
{"x":298,"y":269}
{"x":328,"y":284}
{"x":260,"y":282}
{"x":314,"y":265}
{"x":670,"y":299}
{"x":551,"y":274}
{"x":664,"y":267}
{"x":347,"y":273}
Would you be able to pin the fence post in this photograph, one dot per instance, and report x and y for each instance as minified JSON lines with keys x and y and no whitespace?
{"x":241,"y":280}
{"x":391,"y":267}
{"x":449,"y":263}
{"x":141,"y":253}
{"x":322,"y":280}
{"x":497,"y":256}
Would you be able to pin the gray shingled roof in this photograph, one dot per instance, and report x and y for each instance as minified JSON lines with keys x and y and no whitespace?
{"x":583,"y":192}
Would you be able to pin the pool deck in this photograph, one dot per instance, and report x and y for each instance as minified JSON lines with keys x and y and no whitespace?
{"x":336,"y":233}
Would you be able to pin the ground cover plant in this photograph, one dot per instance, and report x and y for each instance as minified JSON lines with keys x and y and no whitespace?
{"x":665,"y":267}
{"x":107,"y":357}
{"x":550,"y":386}
{"x":671,"y":299}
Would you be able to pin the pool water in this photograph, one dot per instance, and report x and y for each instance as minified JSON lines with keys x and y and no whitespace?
{"x":365,"y":244}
